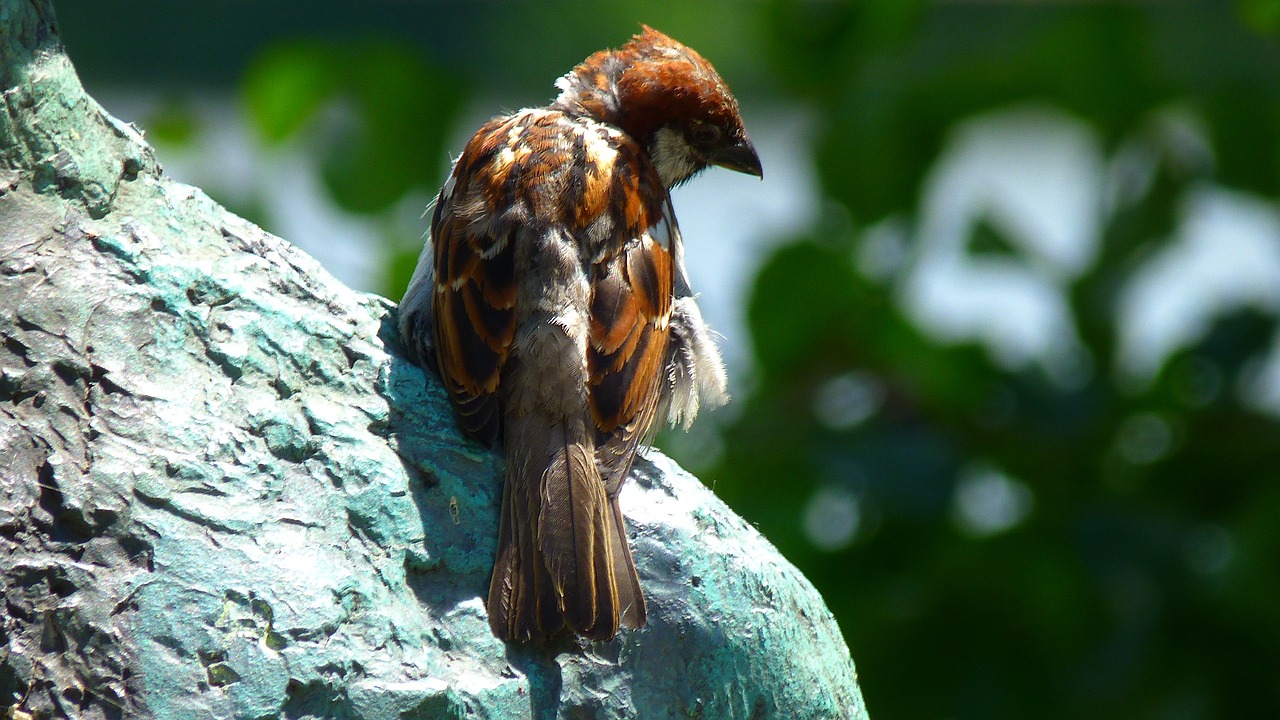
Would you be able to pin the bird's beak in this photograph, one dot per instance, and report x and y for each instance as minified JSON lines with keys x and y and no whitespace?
{"x":739,"y":157}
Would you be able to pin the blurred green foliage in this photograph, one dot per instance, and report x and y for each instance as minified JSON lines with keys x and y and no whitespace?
{"x":399,"y":111}
{"x":1145,"y":580}
{"x":1141,"y":585}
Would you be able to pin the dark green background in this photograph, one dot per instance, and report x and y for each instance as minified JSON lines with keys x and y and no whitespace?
{"x":1095,"y":605}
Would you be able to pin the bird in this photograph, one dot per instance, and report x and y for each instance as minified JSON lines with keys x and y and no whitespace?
{"x":553,"y":301}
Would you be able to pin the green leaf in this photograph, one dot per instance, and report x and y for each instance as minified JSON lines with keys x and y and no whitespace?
{"x":801,"y":305}
{"x":285,"y":87}
{"x":988,"y":239}
{"x":404,"y":110}
{"x":173,"y":123}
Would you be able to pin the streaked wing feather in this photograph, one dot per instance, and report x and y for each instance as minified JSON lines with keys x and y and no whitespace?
{"x":475,"y":290}
{"x":631,"y":310}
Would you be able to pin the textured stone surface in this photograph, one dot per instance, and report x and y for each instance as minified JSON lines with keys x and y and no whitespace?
{"x":225,"y":493}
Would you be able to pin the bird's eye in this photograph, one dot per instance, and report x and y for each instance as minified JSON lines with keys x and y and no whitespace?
{"x":705,"y":134}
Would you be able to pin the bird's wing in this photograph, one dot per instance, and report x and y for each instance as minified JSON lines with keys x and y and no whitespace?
{"x":475,"y":288}
{"x":631,"y":301}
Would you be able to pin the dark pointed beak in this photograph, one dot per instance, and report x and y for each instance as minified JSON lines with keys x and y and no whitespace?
{"x":739,"y":157}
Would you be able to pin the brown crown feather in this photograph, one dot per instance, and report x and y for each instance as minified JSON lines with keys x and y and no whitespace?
{"x":651,"y":81}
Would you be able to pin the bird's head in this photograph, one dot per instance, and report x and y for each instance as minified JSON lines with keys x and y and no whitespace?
{"x":669,"y":99}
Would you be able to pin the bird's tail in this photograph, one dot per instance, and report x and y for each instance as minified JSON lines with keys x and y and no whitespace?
{"x":563,"y":558}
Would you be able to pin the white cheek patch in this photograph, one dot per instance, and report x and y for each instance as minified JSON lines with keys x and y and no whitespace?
{"x":672,"y":157}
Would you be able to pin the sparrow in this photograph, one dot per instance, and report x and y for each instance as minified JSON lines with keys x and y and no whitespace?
{"x":553,"y":301}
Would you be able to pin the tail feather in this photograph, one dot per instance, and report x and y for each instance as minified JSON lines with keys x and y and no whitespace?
{"x":562,"y":555}
{"x":630,"y":596}
{"x":600,"y":622}
{"x":539,"y":610}
{"x":503,"y":587}
{"x":568,"y":527}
